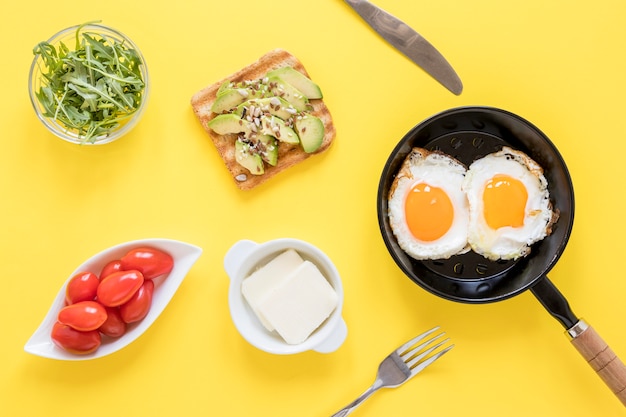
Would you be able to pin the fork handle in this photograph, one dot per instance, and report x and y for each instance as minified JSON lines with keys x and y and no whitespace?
{"x":601,"y":358}
{"x":354,"y":404}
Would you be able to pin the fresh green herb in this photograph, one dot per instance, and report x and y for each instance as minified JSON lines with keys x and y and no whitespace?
{"x":92,"y":89}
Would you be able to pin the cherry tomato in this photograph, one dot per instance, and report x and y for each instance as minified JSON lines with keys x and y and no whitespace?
{"x":83,"y":316}
{"x":138,"y":306}
{"x":81,"y":287}
{"x":108,"y":269}
{"x":150,"y":262}
{"x":117,"y":288}
{"x":114,"y":326}
{"x":75,"y":341}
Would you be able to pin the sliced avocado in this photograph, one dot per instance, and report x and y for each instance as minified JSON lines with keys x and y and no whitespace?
{"x":267,"y":147}
{"x":275,"y":126}
{"x":281,"y":88}
{"x":225,"y":124}
{"x":310,"y":129}
{"x":230,"y":98}
{"x":297,"y":79}
{"x":225,"y":85}
{"x":231,"y":123}
{"x":248,"y":159}
{"x":275,"y":106}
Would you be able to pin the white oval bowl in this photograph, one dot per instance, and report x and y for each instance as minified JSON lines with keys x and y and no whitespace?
{"x":184,"y":254}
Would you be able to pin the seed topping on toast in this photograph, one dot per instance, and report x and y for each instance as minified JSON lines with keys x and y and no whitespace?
{"x":265,"y":118}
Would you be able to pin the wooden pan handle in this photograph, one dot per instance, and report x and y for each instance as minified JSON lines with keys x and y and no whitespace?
{"x":601,"y":358}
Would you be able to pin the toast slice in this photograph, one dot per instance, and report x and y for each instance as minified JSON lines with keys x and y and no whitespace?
{"x":288,"y":154}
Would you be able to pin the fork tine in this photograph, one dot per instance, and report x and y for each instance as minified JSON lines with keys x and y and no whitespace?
{"x":413,"y":357}
{"x":402,"y":349}
{"x":430,"y":360}
{"x":413,"y":350}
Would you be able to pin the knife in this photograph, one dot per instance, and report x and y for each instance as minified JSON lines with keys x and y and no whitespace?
{"x":410,"y":43}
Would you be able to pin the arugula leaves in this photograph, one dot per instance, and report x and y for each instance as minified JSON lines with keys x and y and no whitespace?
{"x":92,"y":89}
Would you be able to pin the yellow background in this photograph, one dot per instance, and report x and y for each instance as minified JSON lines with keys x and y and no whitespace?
{"x":560,"y":64}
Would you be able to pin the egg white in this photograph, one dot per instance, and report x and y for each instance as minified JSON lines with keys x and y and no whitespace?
{"x":437,"y":170}
{"x":508,"y":242}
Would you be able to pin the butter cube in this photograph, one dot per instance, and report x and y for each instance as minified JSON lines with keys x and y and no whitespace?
{"x":299,"y":304}
{"x":264,"y":281}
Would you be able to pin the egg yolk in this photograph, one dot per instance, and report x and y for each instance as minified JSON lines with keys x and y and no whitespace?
{"x":504,"y":202}
{"x":429,"y":212}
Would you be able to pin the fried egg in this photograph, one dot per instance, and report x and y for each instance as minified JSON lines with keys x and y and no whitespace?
{"x":428,"y":211}
{"x":509,"y":204}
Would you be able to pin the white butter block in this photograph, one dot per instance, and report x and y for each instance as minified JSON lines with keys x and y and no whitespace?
{"x":300,"y":304}
{"x":264,"y":281}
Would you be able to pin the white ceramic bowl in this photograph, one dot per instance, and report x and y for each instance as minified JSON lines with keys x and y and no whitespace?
{"x":184,"y":254}
{"x":243,"y":258}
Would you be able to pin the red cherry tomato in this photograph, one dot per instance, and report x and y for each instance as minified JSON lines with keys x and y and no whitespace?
{"x":81,"y":287}
{"x":114,"y":326}
{"x":117,"y":288}
{"x":150,"y":262}
{"x":75,"y":341}
{"x":138,"y":306}
{"x":83,"y":316}
{"x":108,"y":269}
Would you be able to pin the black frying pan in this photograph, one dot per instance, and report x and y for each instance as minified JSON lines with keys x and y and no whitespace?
{"x":468,"y":133}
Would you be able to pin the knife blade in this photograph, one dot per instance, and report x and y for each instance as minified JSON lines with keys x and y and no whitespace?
{"x":410,"y":43}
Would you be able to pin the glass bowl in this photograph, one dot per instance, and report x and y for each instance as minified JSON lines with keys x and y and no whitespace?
{"x":87,"y":88}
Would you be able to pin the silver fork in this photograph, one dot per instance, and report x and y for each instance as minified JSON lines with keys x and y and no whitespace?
{"x":403,"y":364}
